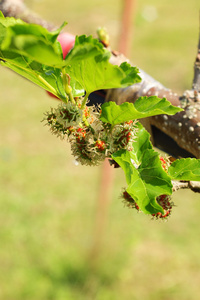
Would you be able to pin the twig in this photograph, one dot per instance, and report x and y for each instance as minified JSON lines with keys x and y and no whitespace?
{"x":192,"y":185}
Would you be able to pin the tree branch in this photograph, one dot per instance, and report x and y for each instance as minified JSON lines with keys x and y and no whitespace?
{"x":192,"y":185}
{"x":17,"y":9}
{"x":183,"y":128}
{"x":196,"y":80}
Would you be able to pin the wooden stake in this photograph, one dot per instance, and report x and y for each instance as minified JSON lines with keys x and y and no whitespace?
{"x":126,"y":27}
{"x":103,"y":204}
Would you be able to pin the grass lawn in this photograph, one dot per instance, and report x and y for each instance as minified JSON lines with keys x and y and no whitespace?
{"x":48,"y":204}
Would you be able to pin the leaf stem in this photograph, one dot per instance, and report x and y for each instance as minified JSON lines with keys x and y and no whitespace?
{"x":71,"y":98}
{"x":48,"y":85}
{"x":84,"y":100}
{"x":39,"y":77}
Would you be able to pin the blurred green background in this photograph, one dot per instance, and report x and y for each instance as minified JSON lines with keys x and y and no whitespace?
{"x":48,"y":205}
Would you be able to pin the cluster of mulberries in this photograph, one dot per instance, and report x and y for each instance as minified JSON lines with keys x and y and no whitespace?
{"x":163,"y":200}
{"x":165,"y":163}
{"x":91,"y":140}
{"x":63,"y":118}
{"x":167,"y":204}
{"x":121,"y":136}
{"x":86,"y":148}
{"x":129,"y":201}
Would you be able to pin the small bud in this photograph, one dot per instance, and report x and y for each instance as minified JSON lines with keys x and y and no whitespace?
{"x":68,"y":89}
{"x":103,"y":36}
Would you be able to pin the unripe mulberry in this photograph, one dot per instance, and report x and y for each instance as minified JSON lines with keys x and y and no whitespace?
{"x":122,"y":136}
{"x":165,"y":163}
{"x":63,"y":118}
{"x":129,"y":201}
{"x":85,"y":149}
{"x":167,"y":204}
{"x":163,"y":200}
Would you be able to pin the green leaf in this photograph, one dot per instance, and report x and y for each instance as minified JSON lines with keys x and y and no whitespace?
{"x":146,"y":182}
{"x":32,"y":41}
{"x":140,"y":144}
{"x":185,"y":169}
{"x":142,"y":108}
{"x":88,"y":63}
{"x":151,"y":106}
{"x":23,"y":48}
{"x":145,"y":176}
{"x":77,"y":89}
{"x":46,"y":77}
{"x":29,"y":49}
{"x":130,"y":73}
